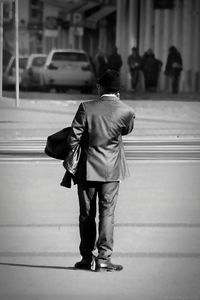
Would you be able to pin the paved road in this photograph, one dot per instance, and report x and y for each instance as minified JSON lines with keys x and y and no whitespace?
{"x":179,"y":149}
{"x":157,"y":235}
{"x":154,"y":119}
{"x":74,"y":95}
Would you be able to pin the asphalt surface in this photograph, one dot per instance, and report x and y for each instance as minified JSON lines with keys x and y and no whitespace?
{"x":157,"y":234}
{"x":157,"y":218}
{"x":157,"y":119}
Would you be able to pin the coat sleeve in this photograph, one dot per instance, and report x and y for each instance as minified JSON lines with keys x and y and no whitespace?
{"x":129,"y":124}
{"x":77,"y":127}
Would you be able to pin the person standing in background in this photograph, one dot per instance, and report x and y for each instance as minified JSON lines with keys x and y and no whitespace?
{"x":173,"y":68}
{"x":115,"y":60}
{"x":134,"y":62}
{"x":151,"y":67}
{"x":101,"y":63}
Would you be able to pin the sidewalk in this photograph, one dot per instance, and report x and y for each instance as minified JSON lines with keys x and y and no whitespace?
{"x":36,"y":119}
{"x":142,"y":279}
{"x":157,"y":236}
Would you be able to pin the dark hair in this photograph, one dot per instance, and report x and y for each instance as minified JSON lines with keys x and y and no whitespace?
{"x":110,"y":90}
{"x":134,"y":49}
{"x":110,"y":81}
{"x":173,"y":49}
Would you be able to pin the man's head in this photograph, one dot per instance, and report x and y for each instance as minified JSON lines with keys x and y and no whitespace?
{"x":134,"y":50}
{"x":110,"y":81}
{"x":172,"y":49}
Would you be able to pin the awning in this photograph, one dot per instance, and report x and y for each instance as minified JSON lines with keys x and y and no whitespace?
{"x":91,"y":21}
{"x":67,"y":5}
{"x":87,"y":6}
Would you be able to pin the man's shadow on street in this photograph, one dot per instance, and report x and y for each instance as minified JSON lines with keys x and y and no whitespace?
{"x":36,"y":266}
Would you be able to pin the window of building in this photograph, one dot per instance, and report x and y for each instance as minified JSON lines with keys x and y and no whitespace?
{"x":35,"y":13}
{"x":36,"y":10}
{"x":7,"y":12}
{"x":35,"y":2}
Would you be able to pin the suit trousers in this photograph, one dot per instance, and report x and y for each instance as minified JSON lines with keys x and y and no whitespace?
{"x":107,"y":193}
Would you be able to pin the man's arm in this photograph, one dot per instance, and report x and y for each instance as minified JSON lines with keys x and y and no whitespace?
{"x":77,"y":127}
{"x":129,"y":124}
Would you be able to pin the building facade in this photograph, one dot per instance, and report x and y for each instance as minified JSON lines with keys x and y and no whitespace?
{"x":47,"y":24}
{"x":159,"y":25}
{"x":102,"y":24}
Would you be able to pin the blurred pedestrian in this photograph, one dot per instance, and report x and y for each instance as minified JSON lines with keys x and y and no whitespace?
{"x":115,"y":60}
{"x":101,"y":63}
{"x":134,"y":62}
{"x":173,"y":68}
{"x":151,"y":68}
{"x":98,"y":127}
{"x":93,"y":65}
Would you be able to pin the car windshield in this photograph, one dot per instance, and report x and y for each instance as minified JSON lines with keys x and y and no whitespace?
{"x":69,"y":56}
{"x":22,"y":63}
{"x":38,"y":61}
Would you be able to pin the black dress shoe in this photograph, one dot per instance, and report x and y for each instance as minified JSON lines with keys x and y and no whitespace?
{"x":107,"y":267}
{"x":85,"y":264}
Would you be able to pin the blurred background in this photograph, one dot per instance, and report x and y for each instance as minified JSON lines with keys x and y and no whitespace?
{"x":64,"y":46}
{"x":99,"y":27}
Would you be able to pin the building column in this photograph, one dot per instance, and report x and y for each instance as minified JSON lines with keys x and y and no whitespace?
{"x":126,"y":34}
{"x":1,"y":48}
{"x":163,"y":51}
{"x":158,"y":36}
{"x":176,"y":24}
{"x":142,"y":29}
{"x":122,"y":36}
{"x":148,"y":37}
{"x":132,"y":37}
{"x":133,"y":22}
{"x":103,"y":35}
{"x":196,"y":47}
{"x":185,"y":84}
{"x":119,"y":23}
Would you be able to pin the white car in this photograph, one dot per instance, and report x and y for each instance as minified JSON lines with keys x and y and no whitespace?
{"x":9,"y":75}
{"x":30,"y":78}
{"x":67,"y":68}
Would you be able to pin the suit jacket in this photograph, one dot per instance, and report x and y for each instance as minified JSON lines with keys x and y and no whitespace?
{"x":98,"y":126}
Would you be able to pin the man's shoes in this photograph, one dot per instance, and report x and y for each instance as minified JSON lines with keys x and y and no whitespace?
{"x":92,"y":265}
{"x":107,"y":267}
{"x":84,"y":264}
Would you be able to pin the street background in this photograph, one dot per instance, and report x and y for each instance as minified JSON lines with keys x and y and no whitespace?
{"x":157,"y":233}
{"x":157,"y":115}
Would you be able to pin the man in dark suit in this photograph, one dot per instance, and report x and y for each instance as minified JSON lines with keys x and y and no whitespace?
{"x":98,"y":126}
{"x":114,"y":60}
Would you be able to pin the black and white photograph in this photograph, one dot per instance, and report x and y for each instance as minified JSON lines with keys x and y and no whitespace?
{"x":99,"y":149}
